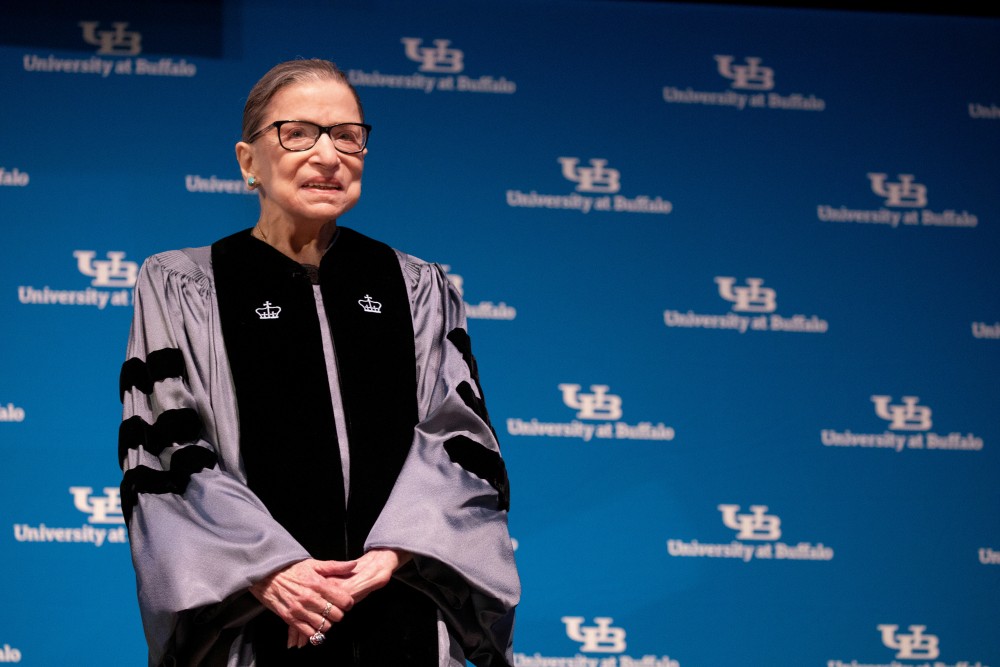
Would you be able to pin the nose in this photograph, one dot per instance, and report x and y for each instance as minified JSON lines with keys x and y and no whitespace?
{"x":325,"y":151}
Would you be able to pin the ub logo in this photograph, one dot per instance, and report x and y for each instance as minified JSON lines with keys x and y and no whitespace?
{"x":102,"y":509}
{"x":753,"y":526}
{"x":595,"y":178}
{"x":117,"y":42}
{"x":113,"y":272}
{"x":914,"y":646}
{"x":903,"y":193}
{"x":599,"y":405}
{"x":600,"y":638}
{"x":750,"y":299}
{"x":746,"y":77}
{"x":439,"y":59}
{"x":906,"y":417}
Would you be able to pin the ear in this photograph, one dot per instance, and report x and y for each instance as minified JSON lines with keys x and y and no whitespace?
{"x":244,"y":155}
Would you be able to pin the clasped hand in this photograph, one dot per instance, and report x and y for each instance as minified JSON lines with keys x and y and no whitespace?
{"x":300,"y":592}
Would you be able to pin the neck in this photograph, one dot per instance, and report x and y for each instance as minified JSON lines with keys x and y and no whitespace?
{"x":305,"y":244}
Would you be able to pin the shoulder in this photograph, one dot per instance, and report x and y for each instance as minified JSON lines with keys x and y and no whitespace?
{"x":188,"y":269}
{"x":435,"y":298}
{"x":421,"y":275}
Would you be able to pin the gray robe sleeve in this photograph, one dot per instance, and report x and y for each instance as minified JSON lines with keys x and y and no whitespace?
{"x":198,"y":539}
{"x":446,"y":512}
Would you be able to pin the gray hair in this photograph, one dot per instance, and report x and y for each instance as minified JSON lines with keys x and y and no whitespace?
{"x":286,"y":74}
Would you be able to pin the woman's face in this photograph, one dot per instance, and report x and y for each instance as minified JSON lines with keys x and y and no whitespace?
{"x":317,"y":185}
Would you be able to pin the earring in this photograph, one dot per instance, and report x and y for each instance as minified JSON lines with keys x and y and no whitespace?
{"x":252,"y":182}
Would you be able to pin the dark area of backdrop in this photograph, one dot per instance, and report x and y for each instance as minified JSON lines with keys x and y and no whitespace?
{"x":731,"y":276}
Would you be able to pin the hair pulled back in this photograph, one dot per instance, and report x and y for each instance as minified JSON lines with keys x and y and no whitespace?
{"x":286,"y":74}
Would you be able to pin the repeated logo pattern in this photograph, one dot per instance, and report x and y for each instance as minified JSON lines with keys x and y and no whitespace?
{"x":841,"y":188}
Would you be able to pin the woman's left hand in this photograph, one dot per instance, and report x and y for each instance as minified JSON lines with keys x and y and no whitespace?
{"x":373,"y":570}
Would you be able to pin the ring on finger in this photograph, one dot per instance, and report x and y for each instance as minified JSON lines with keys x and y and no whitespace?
{"x":319,"y":637}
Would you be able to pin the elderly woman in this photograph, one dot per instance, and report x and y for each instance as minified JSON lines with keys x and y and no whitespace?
{"x":311,"y":477}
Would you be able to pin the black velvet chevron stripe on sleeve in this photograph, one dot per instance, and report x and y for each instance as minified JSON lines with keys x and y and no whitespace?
{"x":460,"y":339}
{"x":159,"y":365}
{"x":473,"y":402}
{"x":483,"y":463}
{"x":173,"y":426}
{"x":463,"y":343}
{"x":183,"y":464}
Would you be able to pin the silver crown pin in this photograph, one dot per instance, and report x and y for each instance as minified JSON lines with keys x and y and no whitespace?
{"x":268,"y":312}
{"x":370,"y":306}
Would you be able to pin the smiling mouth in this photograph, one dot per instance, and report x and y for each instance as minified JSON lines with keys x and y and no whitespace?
{"x":323,"y":186}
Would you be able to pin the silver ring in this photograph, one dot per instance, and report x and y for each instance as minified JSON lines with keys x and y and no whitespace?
{"x":329,"y":606}
{"x":317,"y":638}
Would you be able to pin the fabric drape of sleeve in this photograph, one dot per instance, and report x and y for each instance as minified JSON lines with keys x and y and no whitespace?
{"x":449,"y":504}
{"x":199,"y":537}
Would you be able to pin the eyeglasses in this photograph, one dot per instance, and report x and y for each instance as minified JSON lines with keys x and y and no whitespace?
{"x":301,"y":135}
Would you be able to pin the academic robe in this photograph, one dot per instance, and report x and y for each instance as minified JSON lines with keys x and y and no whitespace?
{"x":206,"y":517}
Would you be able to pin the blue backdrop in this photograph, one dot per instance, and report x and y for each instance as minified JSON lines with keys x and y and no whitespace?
{"x":731,"y":275}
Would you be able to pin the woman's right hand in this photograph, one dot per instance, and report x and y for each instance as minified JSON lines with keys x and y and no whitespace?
{"x":300,"y":592}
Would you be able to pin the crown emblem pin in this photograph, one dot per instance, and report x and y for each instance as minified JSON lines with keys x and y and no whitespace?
{"x":268,"y":312}
{"x":370,"y":306}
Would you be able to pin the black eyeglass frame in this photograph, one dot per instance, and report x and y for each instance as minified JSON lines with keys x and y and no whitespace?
{"x":323,"y":129}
